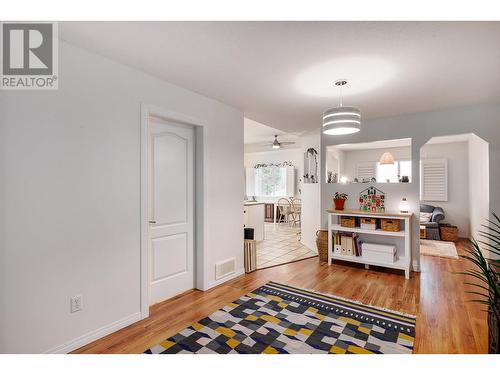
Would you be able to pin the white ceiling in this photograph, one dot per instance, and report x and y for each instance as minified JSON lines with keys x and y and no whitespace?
{"x":258,"y":136}
{"x":257,"y":133}
{"x":282,"y":73}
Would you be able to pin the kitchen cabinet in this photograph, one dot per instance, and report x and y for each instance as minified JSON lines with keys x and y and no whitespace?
{"x":269,"y":212}
{"x":253,"y":213}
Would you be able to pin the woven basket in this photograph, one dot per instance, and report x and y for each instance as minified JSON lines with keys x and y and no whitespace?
{"x":368,"y":220}
{"x":448,"y":233}
{"x":322,"y":244}
{"x":390,"y":225}
{"x":348,"y":221}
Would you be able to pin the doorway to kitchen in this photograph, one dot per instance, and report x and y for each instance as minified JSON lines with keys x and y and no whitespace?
{"x":274,"y":173}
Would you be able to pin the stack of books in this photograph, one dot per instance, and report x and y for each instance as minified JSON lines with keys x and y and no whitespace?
{"x":346,"y":244}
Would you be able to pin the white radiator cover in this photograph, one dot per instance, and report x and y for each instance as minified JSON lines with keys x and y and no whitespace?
{"x":225,"y":268}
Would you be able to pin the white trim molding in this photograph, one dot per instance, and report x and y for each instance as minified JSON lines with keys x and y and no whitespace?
{"x":74,"y":344}
{"x":227,"y":278}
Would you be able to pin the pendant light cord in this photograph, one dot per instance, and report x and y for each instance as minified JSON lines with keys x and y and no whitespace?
{"x":341,"y":95}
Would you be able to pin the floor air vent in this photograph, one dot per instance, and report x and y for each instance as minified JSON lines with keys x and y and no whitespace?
{"x":224,"y":268}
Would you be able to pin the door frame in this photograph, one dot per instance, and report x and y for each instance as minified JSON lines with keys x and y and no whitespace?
{"x":200,"y":194}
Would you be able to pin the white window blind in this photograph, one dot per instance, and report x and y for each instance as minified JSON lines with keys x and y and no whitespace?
{"x":250,"y":182}
{"x":290,"y":181}
{"x":365,"y":171}
{"x":434,"y":180}
{"x":387,"y":172}
{"x":271,"y":181}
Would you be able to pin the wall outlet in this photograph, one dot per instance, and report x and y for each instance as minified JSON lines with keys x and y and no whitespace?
{"x":76,"y":303}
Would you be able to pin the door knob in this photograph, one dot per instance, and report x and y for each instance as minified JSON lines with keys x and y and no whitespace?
{"x":152,"y":221}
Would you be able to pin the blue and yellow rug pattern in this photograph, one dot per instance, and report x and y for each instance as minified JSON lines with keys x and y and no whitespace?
{"x":282,"y":319}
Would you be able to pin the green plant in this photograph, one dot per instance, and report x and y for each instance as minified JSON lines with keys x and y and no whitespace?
{"x":486,"y":271}
{"x":340,"y":196}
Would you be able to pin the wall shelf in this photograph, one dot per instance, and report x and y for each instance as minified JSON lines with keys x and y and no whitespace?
{"x":404,"y":254}
{"x":398,"y":264}
{"x":379,"y":232}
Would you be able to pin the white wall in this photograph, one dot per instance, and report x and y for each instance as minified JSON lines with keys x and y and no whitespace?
{"x":334,"y":162}
{"x":311,"y":198}
{"x":294,"y":155}
{"x":70,"y":198}
{"x":482,"y":120}
{"x":479,"y":184}
{"x":353,"y":157}
{"x":456,"y":209}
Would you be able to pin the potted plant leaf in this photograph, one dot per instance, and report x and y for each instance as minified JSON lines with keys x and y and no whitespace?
{"x":487,"y":274}
{"x":339,"y":200}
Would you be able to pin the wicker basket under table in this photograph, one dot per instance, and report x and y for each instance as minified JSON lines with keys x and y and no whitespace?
{"x":448,"y":233}
{"x":322,"y":244}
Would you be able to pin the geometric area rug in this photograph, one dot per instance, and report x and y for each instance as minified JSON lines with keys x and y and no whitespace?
{"x":282,"y":319}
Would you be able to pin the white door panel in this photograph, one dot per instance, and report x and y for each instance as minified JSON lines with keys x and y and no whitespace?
{"x":170,"y":162}
{"x":170,"y":256}
{"x":171,"y":209}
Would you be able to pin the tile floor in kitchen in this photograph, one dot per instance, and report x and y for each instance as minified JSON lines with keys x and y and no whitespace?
{"x":281,"y":245}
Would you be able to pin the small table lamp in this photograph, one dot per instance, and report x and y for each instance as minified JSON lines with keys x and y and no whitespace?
{"x":404,"y":207}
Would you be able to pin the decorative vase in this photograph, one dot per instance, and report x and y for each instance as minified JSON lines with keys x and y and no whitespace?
{"x":339,"y":204}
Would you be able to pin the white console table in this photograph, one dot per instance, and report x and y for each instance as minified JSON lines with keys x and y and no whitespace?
{"x":404,"y":252}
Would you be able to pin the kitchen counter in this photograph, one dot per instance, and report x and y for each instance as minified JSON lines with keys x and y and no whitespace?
{"x":253,"y":213}
{"x":252,"y":203}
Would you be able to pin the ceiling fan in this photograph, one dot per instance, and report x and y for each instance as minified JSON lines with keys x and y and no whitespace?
{"x":276,"y":144}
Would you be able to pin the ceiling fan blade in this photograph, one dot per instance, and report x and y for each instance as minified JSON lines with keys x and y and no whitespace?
{"x":287,"y":143}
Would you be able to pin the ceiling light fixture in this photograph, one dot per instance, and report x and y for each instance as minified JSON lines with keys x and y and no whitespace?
{"x":386,"y":158}
{"x":341,"y":120}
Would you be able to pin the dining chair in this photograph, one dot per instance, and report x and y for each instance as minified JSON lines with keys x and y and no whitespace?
{"x":296,"y":204}
{"x":284,"y":210}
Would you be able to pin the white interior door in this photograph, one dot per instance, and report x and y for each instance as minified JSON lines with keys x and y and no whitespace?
{"x":171,"y":209}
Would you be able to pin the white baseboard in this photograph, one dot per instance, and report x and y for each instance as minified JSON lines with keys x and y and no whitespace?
{"x":95,"y":335}
{"x":215,"y":283}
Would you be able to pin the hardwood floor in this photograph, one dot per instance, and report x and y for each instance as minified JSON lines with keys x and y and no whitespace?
{"x":446,"y":322}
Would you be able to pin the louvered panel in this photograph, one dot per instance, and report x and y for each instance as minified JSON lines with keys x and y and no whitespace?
{"x":365,"y":171}
{"x":250,"y":182}
{"x":434,"y":180}
{"x":290,"y":181}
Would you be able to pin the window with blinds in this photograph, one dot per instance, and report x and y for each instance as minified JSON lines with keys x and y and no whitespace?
{"x":365,"y":171}
{"x":272,"y":181}
{"x":434,"y":180}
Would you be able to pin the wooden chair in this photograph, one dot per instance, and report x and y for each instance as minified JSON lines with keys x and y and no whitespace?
{"x":296,"y":204}
{"x":284,"y":210}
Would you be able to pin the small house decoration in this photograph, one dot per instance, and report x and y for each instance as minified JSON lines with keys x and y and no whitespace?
{"x":372,"y":200}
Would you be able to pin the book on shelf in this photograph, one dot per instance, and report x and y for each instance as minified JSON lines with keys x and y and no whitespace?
{"x":357,"y":244}
{"x":346,"y":243}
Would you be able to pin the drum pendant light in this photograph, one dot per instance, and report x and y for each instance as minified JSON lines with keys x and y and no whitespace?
{"x":341,"y":120}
